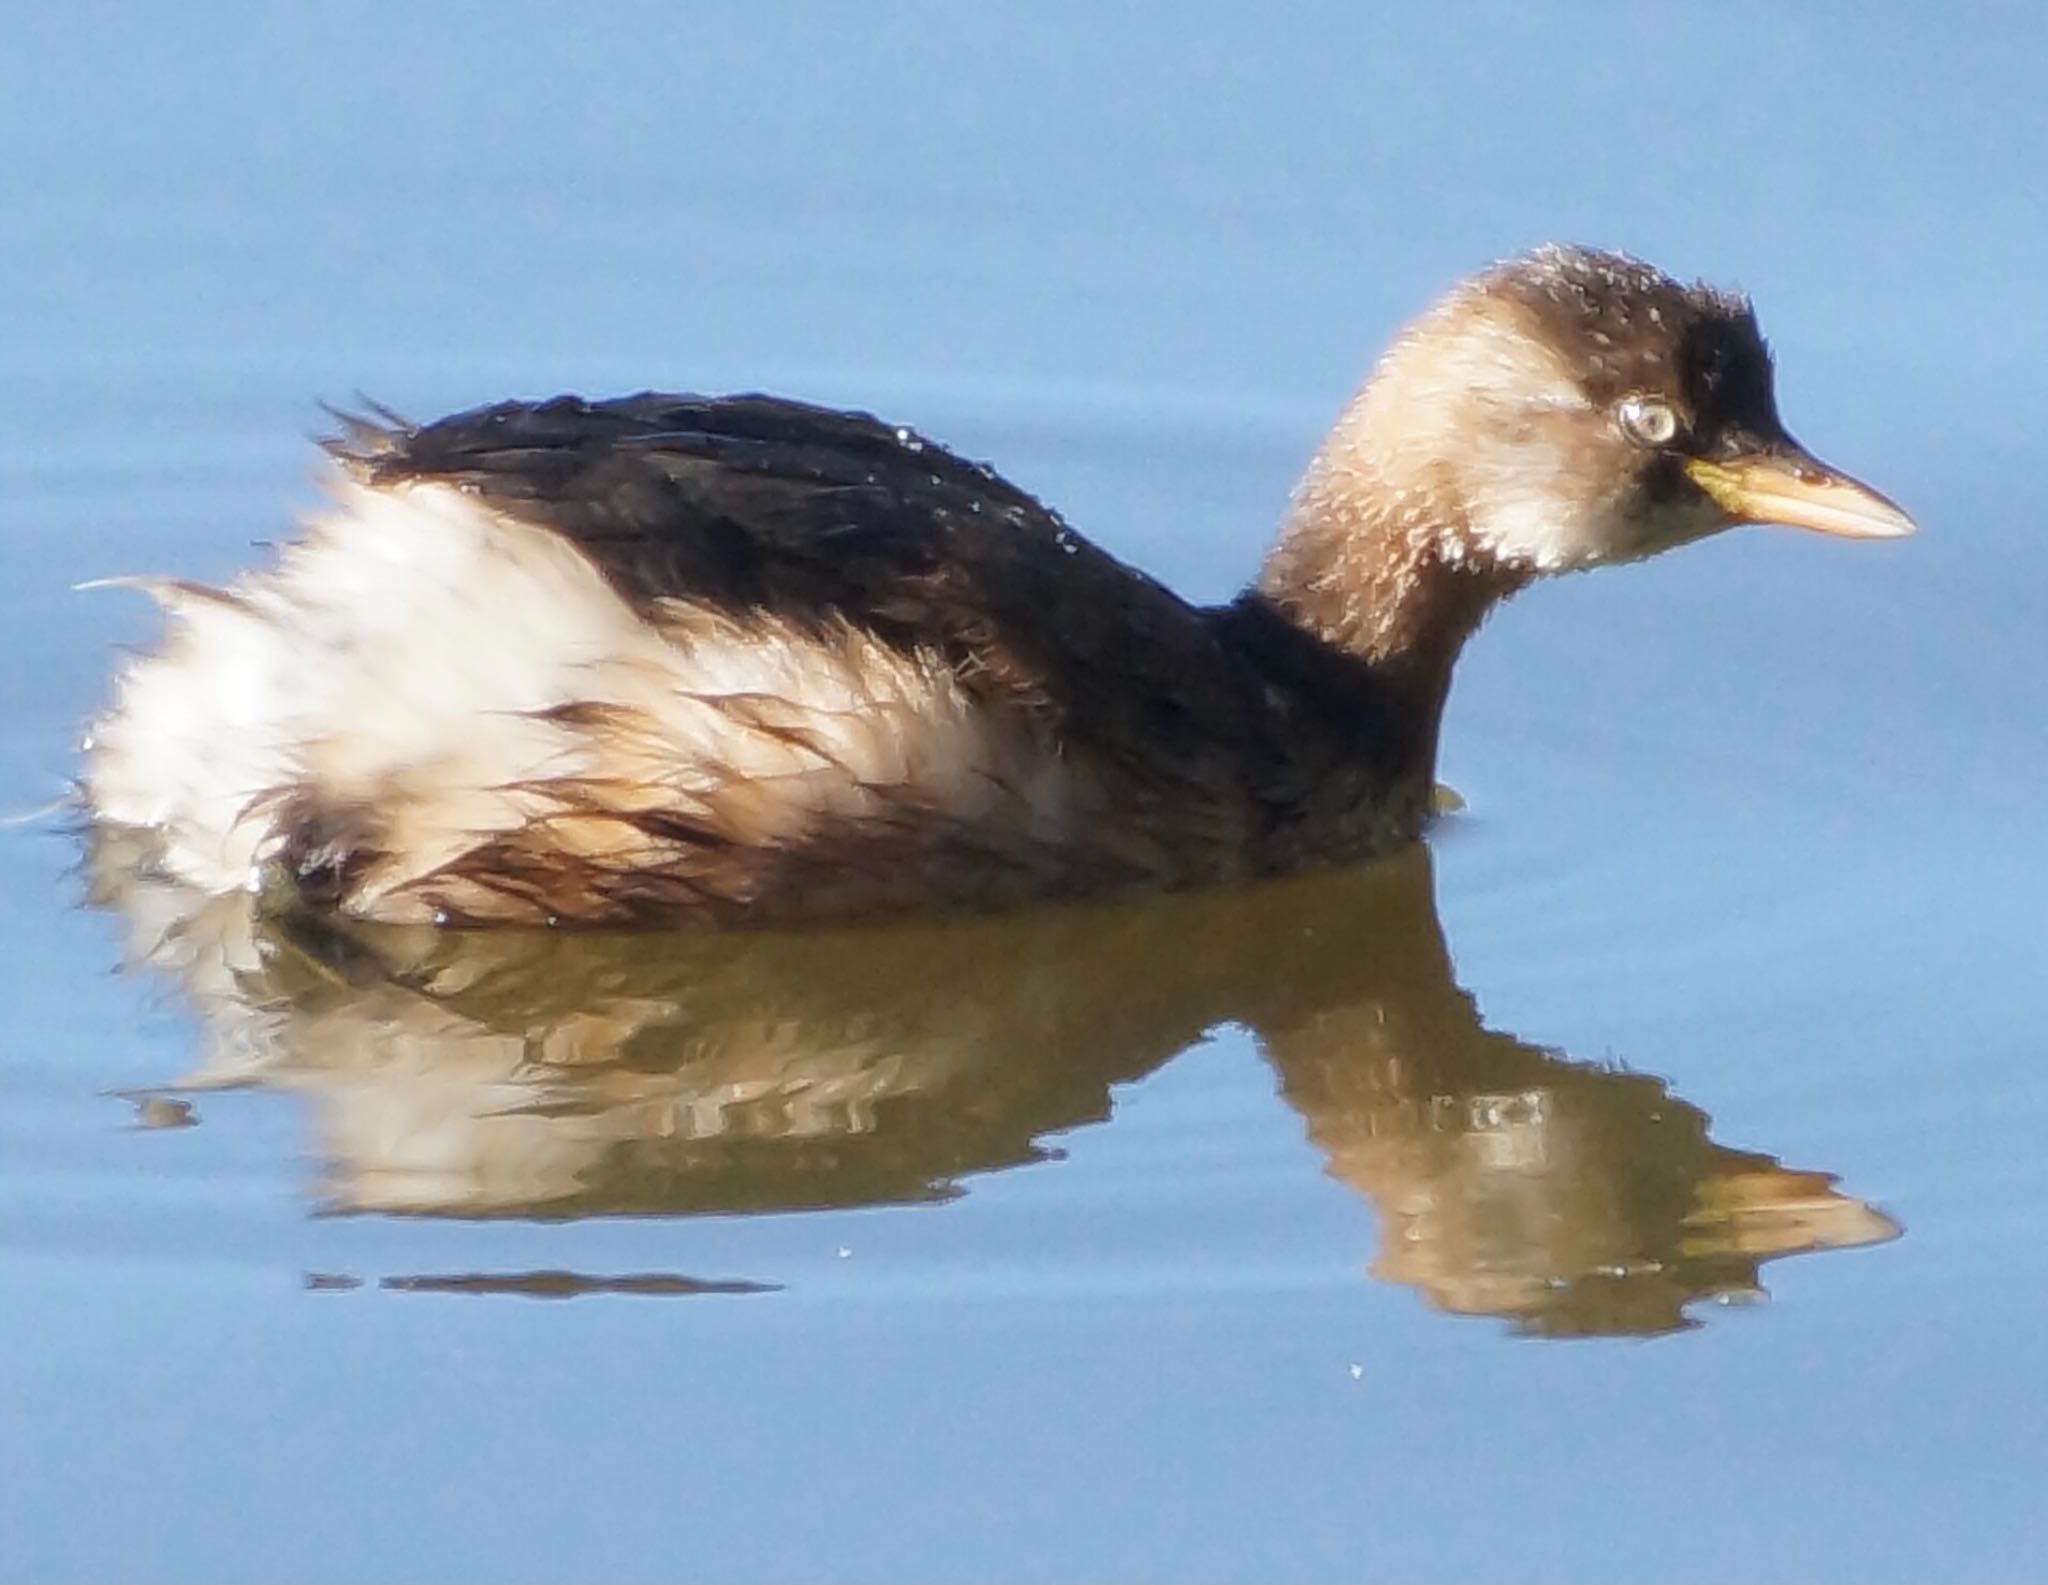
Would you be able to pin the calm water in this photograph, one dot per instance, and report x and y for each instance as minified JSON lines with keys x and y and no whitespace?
{"x":1644,"y":1184}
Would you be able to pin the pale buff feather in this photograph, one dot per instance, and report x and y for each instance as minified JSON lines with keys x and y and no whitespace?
{"x":464,"y":676}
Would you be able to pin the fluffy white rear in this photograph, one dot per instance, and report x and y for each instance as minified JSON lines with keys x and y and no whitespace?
{"x":402,"y":658}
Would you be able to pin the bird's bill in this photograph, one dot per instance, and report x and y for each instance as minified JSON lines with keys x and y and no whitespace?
{"x":1800,"y":491}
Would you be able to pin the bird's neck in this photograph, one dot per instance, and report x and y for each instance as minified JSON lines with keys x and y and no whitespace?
{"x":1383,"y":599}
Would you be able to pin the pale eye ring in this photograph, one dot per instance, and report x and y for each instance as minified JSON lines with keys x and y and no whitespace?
{"x":1647,"y":421}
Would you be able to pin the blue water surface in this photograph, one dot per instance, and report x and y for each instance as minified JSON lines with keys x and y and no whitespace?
{"x":1759,"y":823}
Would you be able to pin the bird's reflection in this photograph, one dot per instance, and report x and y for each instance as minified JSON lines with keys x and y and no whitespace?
{"x":557,"y":1076}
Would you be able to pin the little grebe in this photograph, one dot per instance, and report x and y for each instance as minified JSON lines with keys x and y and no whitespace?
{"x":682,"y":660}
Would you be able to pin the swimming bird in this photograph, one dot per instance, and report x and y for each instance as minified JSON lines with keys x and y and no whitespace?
{"x":687,"y":661}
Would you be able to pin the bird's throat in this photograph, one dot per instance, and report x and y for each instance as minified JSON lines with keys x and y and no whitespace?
{"x":1392,"y":605}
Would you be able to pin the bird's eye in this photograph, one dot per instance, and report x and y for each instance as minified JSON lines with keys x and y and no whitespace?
{"x":1648,"y":421}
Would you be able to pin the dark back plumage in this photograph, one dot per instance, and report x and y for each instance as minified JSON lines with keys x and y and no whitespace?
{"x":773,"y":511}
{"x":773,"y":507}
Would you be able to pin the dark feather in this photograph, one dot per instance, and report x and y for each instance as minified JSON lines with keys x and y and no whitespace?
{"x":760,"y":505}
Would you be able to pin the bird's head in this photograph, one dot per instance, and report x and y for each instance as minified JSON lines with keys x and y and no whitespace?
{"x":1572,"y":408}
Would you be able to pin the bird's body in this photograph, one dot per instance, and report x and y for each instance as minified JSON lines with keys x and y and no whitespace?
{"x":693,"y":661}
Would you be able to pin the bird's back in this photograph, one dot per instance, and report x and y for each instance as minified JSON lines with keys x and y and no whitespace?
{"x":684,"y":660}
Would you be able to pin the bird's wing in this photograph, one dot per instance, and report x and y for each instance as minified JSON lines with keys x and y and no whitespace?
{"x":757,"y":504}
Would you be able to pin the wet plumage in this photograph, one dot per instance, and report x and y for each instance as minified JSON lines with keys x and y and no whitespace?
{"x":676,"y":660}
